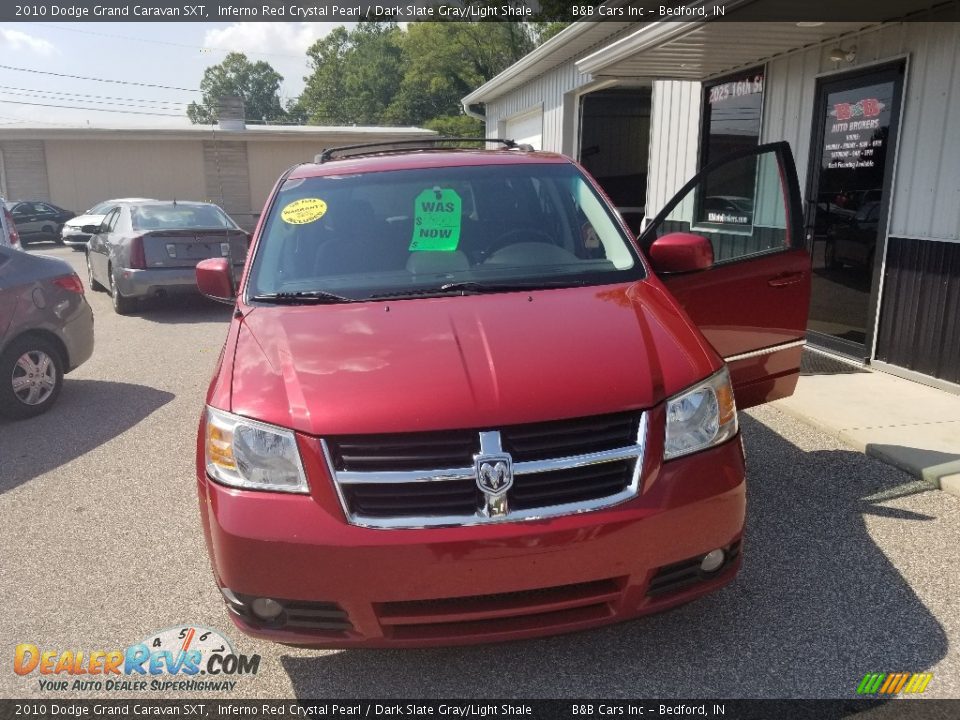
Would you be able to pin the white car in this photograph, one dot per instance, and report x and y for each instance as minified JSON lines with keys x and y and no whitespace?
{"x":72,"y":233}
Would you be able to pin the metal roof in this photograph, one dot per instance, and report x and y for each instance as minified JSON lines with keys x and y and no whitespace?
{"x":701,"y":49}
{"x":573,"y":40}
{"x":320,"y":133}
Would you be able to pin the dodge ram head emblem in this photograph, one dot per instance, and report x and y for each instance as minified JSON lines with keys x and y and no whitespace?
{"x":494,"y":473}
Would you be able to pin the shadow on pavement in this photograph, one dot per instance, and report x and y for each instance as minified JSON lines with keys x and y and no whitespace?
{"x":183,"y":309}
{"x":816,"y":606}
{"x":87,"y":414}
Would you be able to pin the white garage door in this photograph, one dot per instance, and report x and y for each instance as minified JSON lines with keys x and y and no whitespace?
{"x":527,"y":128}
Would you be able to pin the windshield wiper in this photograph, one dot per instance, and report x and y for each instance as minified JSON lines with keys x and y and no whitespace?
{"x":477,"y":288}
{"x":302,"y":296}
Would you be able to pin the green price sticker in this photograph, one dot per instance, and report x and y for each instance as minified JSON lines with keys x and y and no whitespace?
{"x":436,"y":221}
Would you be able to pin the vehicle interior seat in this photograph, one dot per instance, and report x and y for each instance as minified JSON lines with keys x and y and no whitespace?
{"x":358,"y":242}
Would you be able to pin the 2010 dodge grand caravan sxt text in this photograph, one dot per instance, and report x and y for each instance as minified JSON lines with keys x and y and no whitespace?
{"x":459,"y":403}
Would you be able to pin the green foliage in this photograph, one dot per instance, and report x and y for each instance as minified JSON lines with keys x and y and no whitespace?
{"x":355,"y":75}
{"x":380,"y":74}
{"x":257,"y":83}
{"x":456,"y":126}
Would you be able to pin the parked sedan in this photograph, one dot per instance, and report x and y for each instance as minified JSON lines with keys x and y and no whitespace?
{"x":151,"y":249}
{"x":38,"y":220}
{"x":46,"y":330}
{"x":72,"y":233}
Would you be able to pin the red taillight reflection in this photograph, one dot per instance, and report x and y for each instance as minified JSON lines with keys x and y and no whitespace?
{"x":70,"y":282}
{"x":12,"y":235}
{"x":138,"y":260}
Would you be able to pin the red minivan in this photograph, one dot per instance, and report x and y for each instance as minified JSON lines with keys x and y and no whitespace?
{"x":459,"y":402}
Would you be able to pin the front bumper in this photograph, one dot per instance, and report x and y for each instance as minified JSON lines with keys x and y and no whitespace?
{"x":162,"y":281}
{"x":74,"y":239}
{"x":349,"y":586}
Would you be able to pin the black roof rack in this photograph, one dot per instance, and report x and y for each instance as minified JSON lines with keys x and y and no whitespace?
{"x":419,"y":144}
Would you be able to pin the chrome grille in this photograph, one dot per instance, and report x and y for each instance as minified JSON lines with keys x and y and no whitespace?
{"x":409,"y":480}
{"x":561,"y":438}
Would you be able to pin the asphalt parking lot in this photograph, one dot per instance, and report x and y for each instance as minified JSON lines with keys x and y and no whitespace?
{"x":850,"y":566}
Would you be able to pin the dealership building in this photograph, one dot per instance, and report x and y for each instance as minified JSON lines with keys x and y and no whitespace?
{"x":871,"y":111}
{"x":231,"y":164}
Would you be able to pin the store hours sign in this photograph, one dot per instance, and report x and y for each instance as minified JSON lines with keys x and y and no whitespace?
{"x":856,"y":129}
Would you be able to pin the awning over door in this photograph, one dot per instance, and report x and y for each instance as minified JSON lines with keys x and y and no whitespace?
{"x":704,"y":48}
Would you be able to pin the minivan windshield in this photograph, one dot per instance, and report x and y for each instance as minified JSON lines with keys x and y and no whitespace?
{"x":438,"y":230}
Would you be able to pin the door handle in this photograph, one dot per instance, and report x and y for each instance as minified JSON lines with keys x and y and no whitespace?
{"x":785,"y":279}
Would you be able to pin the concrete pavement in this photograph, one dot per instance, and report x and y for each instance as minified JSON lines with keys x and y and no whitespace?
{"x":908,"y":425}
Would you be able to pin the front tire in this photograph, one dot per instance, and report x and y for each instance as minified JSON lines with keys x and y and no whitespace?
{"x":121,"y":305}
{"x":31,"y":377}
{"x":51,"y":232}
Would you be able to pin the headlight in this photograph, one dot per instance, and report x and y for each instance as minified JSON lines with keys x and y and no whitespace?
{"x":252,"y":455}
{"x":703,"y":416}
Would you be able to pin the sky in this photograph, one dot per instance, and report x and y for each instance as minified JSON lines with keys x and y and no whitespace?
{"x":169,"y":54}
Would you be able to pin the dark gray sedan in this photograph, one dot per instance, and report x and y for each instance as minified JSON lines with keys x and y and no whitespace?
{"x":151,"y":249}
{"x":46,"y":330}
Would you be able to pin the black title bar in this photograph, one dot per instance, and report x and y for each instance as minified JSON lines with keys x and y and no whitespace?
{"x":65,"y":709}
{"x":475,"y":10}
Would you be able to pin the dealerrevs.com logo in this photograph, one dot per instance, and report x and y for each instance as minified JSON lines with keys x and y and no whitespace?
{"x":185,"y":658}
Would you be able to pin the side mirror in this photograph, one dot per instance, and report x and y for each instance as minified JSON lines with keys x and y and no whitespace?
{"x":681,"y":252}
{"x":215,"y":280}
{"x":90,"y":229}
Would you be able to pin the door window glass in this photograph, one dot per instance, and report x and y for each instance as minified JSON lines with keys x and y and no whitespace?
{"x":732,"y":109}
{"x":110,"y":221}
{"x":849,"y":180}
{"x":738,"y":205}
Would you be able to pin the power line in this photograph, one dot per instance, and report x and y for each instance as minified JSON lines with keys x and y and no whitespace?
{"x":106,"y":106}
{"x":42,"y":95}
{"x":94,"y":109}
{"x":163,"y":42}
{"x":96,"y":97}
{"x":96,"y":79}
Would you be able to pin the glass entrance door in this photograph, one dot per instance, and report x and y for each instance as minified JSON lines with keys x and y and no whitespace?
{"x":848,"y":194}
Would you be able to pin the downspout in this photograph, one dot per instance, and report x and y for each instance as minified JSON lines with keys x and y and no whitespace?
{"x":468,"y":109}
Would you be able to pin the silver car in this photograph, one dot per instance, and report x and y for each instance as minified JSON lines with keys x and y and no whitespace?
{"x":151,"y":249}
{"x":72,"y":233}
{"x":46,"y":330}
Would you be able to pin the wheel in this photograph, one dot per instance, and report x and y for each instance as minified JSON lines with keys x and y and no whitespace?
{"x":51,"y":232}
{"x":121,"y":305}
{"x":31,"y":375}
{"x":91,"y":281}
{"x":77,"y":248}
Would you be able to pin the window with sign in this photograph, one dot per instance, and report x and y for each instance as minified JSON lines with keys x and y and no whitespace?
{"x":726,"y":203}
{"x":732,"y":109}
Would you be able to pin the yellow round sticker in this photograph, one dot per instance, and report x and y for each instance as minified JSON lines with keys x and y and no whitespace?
{"x":303,"y":211}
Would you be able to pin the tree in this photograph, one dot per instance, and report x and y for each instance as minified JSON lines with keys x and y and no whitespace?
{"x":378,"y":73}
{"x":443,"y":61}
{"x":257,"y":83}
{"x":354,"y":75}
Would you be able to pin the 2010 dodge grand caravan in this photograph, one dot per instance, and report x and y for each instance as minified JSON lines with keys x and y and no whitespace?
{"x":459,"y":403}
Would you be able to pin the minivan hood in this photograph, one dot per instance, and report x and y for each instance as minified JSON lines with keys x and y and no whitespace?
{"x":464,"y":361}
